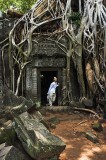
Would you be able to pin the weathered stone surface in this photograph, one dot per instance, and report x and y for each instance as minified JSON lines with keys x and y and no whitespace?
{"x":89,"y":135}
{"x":43,"y":111}
{"x":14,"y":105}
{"x":97,"y":127}
{"x":17,"y":144}
{"x":8,"y":123}
{"x":87,"y":102}
{"x":54,"y":120}
{"x":104,"y":114}
{"x":1,"y":99}
{"x":77,"y":104}
{"x":46,"y":48}
{"x":49,"y":62}
{"x":7,"y":135}
{"x":50,"y":123}
{"x":2,"y":121}
{"x":20,"y":108}
{"x":10,"y":153}
{"x":10,"y":99}
{"x":58,"y":109}
{"x":38,"y":116}
{"x":38,"y":142}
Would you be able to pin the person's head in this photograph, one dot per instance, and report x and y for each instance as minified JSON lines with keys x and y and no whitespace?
{"x":55,"y":79}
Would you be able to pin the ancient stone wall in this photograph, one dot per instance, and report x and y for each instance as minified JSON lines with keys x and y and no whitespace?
{"x":44,"y":54}
{"x":6,"y":25}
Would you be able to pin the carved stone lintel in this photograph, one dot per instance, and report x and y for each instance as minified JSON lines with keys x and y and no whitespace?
{"x":49,"y":62}
{"x":46,"y":47}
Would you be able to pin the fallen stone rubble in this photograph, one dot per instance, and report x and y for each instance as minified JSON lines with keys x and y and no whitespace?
{"x":23,"y":136}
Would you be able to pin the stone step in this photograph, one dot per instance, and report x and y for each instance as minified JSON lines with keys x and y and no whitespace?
{"x":89,"y":135}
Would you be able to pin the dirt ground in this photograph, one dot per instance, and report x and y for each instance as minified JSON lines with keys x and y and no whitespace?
{"x":71,"y":130}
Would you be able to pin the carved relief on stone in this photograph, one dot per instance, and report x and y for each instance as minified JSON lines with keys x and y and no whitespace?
{"x":49,"y":62}
{"x":46,"y":48}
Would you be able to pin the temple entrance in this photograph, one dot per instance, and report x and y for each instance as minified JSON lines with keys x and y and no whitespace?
{"x":46,"y":79}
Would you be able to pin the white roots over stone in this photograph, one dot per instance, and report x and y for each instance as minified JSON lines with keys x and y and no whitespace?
{"x":85,"y":30}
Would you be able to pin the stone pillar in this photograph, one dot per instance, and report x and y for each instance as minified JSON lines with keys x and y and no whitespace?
{"x":28,"y":83}
{"x":1,"y":38}
{"x":34,"y":83}
{"x":31,"y":83}
{"x":64,"y":83}
{"x":0,"y":75}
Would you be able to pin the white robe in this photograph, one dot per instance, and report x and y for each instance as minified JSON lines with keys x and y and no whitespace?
{"x":51,"y":95}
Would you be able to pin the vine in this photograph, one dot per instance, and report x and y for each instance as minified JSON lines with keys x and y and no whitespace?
{"x":82,"y":43}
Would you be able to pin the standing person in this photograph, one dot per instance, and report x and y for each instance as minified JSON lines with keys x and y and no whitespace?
{"x":51,"y":94}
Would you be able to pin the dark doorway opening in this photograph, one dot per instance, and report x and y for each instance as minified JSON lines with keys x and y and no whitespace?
{"x":46,"y":79}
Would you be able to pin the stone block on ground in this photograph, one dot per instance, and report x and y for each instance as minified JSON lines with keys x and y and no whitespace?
{"x":37,"y":141}
{"x":43,"y":111}
{"x":87,"y":102}
{"x":2,"y":121}
{"x":38,"y":116}
{"x":89,"y":135}
{"x":97,"y":127}
{"x":18,"y":104}
{"x":7,"y":123}
{"x":7,"y":135}
{"x":10,"y":153}
{"x":54,"y":120}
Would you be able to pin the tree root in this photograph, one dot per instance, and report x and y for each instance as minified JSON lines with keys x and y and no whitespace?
{"x":79,"y":124}
{"x":68,"y":108}
{"x":88,"y":110}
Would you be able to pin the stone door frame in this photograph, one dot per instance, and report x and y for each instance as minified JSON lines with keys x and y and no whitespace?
{"x":59,"y":76}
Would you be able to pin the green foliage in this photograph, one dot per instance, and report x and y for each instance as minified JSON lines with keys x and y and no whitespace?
{"x":20,"y":5}
{"x":75,"y":18}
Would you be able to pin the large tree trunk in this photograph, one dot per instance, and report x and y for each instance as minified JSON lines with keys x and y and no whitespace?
{"x":18,"y":82}
{"x":69,"y":54}
{"x":105,"y":45}
{"x":105,"y":63}
{"x":80,"y":75}
{"x":78,"y":51}
{"x":10,"y":60}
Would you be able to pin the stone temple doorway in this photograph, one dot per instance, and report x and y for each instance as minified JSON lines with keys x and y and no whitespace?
{"x":46,"y":79}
